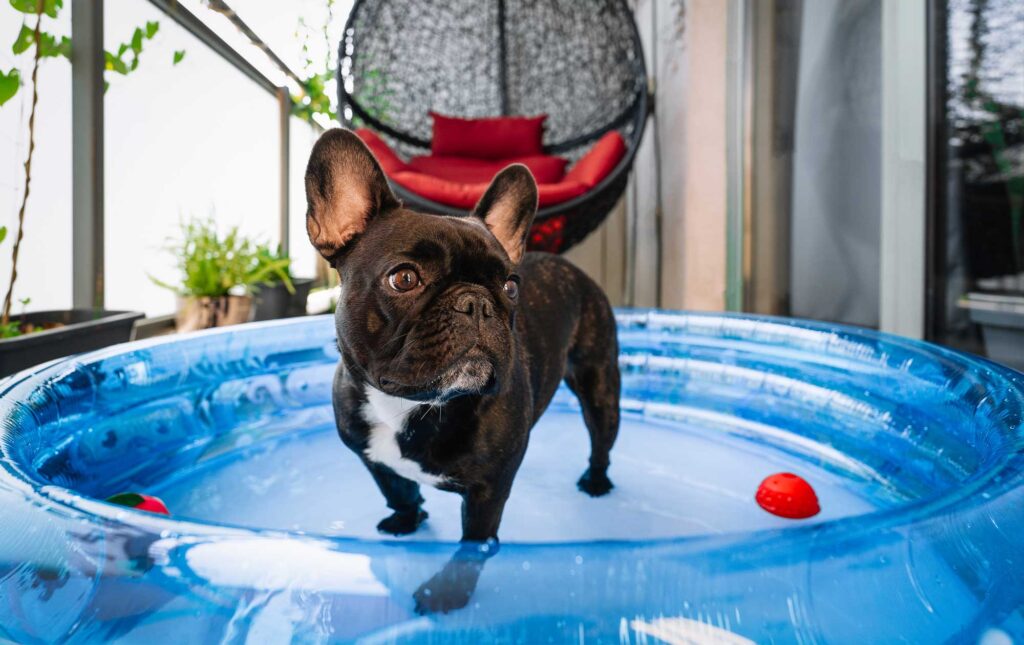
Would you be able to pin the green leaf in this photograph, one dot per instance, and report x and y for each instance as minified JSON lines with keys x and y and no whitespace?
{"x":178,"y":56}
{"x":115,"y":64}
{"x":10,"y":330}
{"x":9,"y":84}
{"x":64,"y":48}
{"x":3,"y":233}
{"x":49,"y":7}
{"x":122,"y":49}
{"x":151,"y":28}
{"x":137,"y":41}
{"x":25,"y":6}
{"x":50,"y":48}
{"x":25,"y":38}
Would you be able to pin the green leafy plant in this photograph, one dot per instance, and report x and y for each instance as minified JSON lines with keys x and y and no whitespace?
{"x":274,"y":258}
{"x":315,"y":101}
{"x":313,"y":97}
{"x":42,"y":44}
{"x":126,"y":59}
{"x":215,"y":265}
{"x":8,"y":329}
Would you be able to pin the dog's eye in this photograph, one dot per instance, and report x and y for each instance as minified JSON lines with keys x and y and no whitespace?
{"x":511,"y":288}
{"x":404,"y":279}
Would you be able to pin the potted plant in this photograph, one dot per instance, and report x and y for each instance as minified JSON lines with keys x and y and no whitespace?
{"x":37,"y":337}
{"x":33,"y":338}
{"x":220,"y":274}
{"x":278,"y":298}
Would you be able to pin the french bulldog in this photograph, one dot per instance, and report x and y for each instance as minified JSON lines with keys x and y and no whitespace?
{"x":453,"y":340}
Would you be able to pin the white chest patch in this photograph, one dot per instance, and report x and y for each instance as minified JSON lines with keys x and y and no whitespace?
{"x":386,"y":415}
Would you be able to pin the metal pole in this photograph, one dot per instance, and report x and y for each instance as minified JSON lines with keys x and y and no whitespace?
{"x":87,"y":153}
{"x":285,"y":104}
{"x":738,"y":92}
{"x":659,"y":210}
{"x":192,"y":24}
{"x":502,"y":59}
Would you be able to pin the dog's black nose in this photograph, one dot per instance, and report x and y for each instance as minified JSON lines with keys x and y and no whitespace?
{"x":474,"y":305}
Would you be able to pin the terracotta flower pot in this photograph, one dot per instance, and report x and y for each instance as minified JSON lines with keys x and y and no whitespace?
{"x":205,"y":312}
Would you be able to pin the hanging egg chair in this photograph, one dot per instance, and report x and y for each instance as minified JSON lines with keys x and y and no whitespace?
{"x":446,"y":93}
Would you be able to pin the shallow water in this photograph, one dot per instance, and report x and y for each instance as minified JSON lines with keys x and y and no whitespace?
{"x":671,"y":481}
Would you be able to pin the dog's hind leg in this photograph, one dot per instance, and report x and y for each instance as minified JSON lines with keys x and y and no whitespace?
{"x":592,"y":373}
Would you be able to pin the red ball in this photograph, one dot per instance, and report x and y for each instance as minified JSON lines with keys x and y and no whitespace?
{"x":141,"y":502}
{"x":153,"y":505}
{"x":787,"y":495}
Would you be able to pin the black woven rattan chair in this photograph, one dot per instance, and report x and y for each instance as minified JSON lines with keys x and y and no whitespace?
{"x":578,"y":61}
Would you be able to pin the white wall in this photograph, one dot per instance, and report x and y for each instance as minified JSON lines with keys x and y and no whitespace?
{"x":837,"y":163}
{"x":196,"y":139}
{"x":685,"y":48}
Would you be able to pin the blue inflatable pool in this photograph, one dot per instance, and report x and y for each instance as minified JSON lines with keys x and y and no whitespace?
{"x":916,"y":454}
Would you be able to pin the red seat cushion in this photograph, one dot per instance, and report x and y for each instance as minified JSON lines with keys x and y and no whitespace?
{"x":489,"y":138}
{"x":466,"y":170}
{"x":460,"y":182}
{"x":466,"y":195}
{"x":545,"y":169}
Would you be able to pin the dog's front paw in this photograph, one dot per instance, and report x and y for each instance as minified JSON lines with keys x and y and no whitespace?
{"x":594,"y":483}
{"x":402,"y":523}
{"x":451,"y":587}
{"x":439,"y":596}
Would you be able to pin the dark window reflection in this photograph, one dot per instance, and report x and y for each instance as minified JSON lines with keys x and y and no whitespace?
{"x":977,"y":268}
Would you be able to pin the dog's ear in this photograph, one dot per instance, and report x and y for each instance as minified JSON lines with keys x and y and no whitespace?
{"x":508,"y":207}
{"x":345,"y":189}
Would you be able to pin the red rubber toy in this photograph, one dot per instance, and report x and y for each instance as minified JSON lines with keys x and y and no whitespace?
{"x":140,"y":502}
{"x":787,"y":495}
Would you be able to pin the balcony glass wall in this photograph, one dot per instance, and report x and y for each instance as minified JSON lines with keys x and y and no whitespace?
{"x":44,"y":268}
{"x":197,"y":139}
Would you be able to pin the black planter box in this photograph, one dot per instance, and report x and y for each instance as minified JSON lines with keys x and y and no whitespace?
{"x":84,"y":330}
{"x":275,"y":302}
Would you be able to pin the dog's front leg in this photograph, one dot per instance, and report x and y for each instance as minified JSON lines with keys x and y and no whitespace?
{"x":403,"y":497}
{"x":452,"y":586}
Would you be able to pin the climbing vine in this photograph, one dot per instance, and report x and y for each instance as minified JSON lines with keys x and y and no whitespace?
{"x":313,"y":97}
{"x":36,"y":41}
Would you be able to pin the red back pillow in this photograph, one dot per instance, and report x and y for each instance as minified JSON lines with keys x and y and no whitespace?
{"x":490,"y":138}
{"x":545,"y":169}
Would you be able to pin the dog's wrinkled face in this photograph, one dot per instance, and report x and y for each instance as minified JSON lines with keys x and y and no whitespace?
{"x":428,"y":302}
{"x":427,"y":306}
